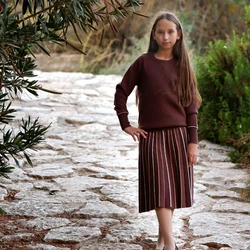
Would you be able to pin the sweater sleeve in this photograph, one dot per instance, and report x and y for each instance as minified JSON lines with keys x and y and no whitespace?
{"x":123,"y":90}
{"x":192,"y":124}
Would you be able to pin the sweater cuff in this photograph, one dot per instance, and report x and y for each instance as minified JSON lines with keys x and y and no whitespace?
{"x":193,"y":135}
{"x":123,"y":119}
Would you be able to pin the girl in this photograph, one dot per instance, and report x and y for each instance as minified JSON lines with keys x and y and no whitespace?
{"x":168,"y":100}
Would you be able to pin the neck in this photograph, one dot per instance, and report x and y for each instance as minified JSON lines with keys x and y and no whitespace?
{"x":164,"y":55}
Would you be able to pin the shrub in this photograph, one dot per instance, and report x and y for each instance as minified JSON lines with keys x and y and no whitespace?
{"x":224,"y":77}
{"x":224,"y":81}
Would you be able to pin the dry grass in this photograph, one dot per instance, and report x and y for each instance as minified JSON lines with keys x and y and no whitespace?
{"x":242,"y":145}
{"x":105,"y":50}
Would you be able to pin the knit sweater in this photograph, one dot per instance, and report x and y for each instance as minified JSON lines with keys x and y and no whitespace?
{"x":158,"y":98}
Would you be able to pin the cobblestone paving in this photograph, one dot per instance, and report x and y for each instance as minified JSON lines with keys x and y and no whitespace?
{"x":82,"y":191}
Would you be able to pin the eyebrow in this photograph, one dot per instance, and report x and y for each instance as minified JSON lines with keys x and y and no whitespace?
{"x":159,"y":29}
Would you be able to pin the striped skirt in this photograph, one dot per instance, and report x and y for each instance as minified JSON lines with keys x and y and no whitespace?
{"x":165,"y":180}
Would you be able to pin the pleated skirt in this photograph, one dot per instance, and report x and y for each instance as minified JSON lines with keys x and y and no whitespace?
{"x":165,"y":179}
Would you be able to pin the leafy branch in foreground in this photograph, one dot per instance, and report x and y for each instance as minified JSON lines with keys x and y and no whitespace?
{"x":30,"y":134}
{"x":27,"y":26}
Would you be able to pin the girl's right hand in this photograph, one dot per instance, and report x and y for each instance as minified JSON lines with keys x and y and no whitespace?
{"x":136,"y":133}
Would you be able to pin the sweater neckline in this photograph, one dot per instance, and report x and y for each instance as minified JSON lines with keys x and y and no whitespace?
{"x":161,"y":60}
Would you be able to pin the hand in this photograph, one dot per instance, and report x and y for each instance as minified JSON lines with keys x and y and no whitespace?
{"x":136,"y":132}
{"x":192,"y":153}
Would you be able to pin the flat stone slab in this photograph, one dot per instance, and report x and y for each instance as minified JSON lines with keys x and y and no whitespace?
{"x":223,"y":178}
{"x":120,"y":246}
{"x":101,"y":209}
{"x":45,"y":223}
{"x":92,"y":222}
{"x":39,"y":208}
{"x":223,"y":194}
{"x":227,"y":206}
{"x":72,"y":234}
{"x":122,"y":193}
{"x":216,"y":223}
{"x":47,"y":247}
{"x":3,"y":193}
{"x":49,"y":171}
{"x":225,"y":241}
{"x":17,"y":237}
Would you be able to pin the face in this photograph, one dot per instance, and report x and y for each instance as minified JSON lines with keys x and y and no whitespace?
{"x":166,"y":34}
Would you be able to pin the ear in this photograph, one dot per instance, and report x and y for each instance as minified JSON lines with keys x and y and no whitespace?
{"x":153,"y":34}
{"x":179,"y":35}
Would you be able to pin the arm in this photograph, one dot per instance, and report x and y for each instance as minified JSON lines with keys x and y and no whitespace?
{"x":192,"y":129}
{"x":123,"y":90}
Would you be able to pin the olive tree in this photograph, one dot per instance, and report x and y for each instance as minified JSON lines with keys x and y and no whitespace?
{"x":25,"y":26}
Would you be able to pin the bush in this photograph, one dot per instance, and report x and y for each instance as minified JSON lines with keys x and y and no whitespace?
{"x":224,"y":81}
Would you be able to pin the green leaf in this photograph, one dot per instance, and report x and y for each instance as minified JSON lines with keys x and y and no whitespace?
{"x":2,"y":211}
{"x":28,"y":159}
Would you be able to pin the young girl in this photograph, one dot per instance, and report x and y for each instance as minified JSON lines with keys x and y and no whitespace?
{"x":168,"y":100}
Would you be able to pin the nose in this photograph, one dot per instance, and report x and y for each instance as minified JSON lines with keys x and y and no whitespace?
{"x":166,"y":36}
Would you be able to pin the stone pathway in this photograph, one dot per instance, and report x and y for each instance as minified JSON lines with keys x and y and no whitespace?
{"x":82,"y":192}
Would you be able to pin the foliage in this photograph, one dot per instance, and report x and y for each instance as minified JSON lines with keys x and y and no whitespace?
{"x":214,"y":20}
{"x":16,"y":145}
{"x":118,"y":61}
{"x":242,"y":150}
{"x":224,"y":77}
{"x":26,"y":26}
{"x":199,"y":19}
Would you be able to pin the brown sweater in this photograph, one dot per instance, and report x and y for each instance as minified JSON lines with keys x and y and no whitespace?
{"x":158,"y":100}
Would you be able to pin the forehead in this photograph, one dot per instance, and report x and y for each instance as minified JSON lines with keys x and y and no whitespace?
{"x":165,"y":24}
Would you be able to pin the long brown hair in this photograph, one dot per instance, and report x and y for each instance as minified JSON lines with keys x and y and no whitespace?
{"x":186,"y":79}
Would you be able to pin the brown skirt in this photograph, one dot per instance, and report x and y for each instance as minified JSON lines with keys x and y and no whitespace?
{"x":165,"y":180}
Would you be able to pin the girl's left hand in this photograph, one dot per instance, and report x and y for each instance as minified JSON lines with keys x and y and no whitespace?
{"x":192,"y":153}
